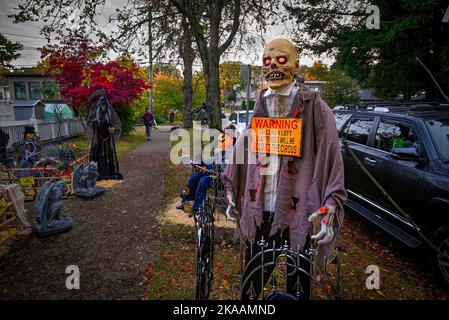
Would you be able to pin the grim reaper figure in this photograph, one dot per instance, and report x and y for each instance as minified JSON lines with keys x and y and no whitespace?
{"x":104,"y":129}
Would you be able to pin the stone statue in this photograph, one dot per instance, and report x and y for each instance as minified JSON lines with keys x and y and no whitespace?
{"x":85,"y":179}
{"x":47,"y":209}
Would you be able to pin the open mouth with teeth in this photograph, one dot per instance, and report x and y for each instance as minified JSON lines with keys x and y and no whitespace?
{"x":275,"y":75}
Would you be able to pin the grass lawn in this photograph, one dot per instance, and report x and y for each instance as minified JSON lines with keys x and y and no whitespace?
{"x":172,"y":275}
{"x":124,"y":146}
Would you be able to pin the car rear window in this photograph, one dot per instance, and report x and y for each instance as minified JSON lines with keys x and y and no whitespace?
{"x":341,"y":118}
{"x":439,"y":131}
{"x":358,"y":131}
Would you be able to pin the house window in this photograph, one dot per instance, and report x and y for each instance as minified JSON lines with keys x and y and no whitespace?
{"x":19,"y":90}
{"x":35,"y":90}
{"x":50,"y":90}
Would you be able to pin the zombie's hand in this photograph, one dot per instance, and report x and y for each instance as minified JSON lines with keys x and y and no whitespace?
{"x":230,"y":200}
{"x":326,"y":215}
{"x":111,"y":130}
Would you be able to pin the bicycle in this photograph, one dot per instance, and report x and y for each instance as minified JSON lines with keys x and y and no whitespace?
{"x":204,"y":238}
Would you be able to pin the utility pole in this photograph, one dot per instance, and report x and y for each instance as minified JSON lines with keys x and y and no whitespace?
{"x":150,"y":60}
{"x":248,"y":94}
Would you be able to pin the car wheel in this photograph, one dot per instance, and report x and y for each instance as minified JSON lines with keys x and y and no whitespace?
{"x":441,"y":262}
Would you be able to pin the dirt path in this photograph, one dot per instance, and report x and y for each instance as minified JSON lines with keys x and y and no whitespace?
{"x":112,"y":242}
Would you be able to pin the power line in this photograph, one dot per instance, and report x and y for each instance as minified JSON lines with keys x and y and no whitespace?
{"x":27,"y":36}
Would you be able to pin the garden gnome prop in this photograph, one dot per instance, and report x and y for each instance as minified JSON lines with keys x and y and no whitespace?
{"x":277,"y":194}
{"x":47,"y":209}
{"x":104,"y":128}
{"x":85,"y":180}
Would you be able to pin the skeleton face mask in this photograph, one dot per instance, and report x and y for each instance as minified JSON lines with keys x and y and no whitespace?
{"x":280,"y":63}
{"x":102,"y":104}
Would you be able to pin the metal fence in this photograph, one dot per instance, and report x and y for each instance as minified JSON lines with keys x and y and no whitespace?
{"x":46,"y":129}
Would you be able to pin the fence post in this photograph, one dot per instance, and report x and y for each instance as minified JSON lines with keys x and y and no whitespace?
{"x":53,"y":134}
{"x":34,"y":121}
{"x":67,"y":127}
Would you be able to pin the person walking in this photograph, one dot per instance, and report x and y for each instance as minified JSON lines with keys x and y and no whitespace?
{"x":148,"y":121}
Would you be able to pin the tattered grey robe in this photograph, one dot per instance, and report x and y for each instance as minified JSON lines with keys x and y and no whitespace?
{"x":305,"y":184}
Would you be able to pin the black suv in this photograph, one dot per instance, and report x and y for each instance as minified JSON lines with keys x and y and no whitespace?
{"x":406,"y":149}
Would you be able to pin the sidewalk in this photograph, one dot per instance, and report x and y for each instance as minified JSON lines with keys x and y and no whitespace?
{"x":112,"y":241}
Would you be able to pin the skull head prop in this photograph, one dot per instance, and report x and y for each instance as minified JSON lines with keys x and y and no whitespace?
{"x":280,"y":63}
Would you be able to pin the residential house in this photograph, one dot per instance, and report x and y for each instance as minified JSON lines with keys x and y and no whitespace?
{"x":6,"y":107}
{"x":33,"y":95}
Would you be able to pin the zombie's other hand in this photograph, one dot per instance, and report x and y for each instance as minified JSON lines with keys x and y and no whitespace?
{"x":111,"y":130}
{"x":326,"y":215}
{"x":230,"y":200}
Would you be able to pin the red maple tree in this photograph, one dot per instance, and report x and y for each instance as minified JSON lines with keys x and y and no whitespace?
{"x":80,"y":69}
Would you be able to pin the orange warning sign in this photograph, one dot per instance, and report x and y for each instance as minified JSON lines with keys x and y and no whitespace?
{"x":276,"y":136}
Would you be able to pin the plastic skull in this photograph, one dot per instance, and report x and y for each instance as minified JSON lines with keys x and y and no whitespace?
{"x":280,"y":63}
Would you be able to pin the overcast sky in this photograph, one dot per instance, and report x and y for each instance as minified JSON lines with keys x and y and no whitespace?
{"x":28,"y":35}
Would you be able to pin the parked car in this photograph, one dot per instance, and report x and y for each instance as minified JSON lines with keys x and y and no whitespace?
{"x":238,"y":118}
{"x":406,"y":149}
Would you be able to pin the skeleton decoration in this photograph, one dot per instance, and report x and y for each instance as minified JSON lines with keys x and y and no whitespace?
{"x":85,"y":179}
{"x":47,"y":209}
{"x":279,"y":197}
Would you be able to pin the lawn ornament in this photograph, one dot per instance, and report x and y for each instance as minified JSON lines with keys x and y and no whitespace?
{"x":47,"y":207}
{"x":28,"y":150}
{"x":278,"y":192}
{"x":85,"y":179}
{"x":67,"y":156}
{"x":104,"y":127}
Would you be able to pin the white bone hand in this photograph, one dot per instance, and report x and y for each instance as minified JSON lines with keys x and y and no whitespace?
{"x":326,"y":233}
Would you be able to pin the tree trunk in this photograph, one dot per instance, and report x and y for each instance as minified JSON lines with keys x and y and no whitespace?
{"x":187,"y":58}
{"x":213,"y":91}
{"x":213,"y":79}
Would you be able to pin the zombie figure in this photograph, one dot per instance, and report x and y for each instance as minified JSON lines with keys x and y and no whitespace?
{"x":104,"y":128}
{"x":278,"y":196}
{"x":29,"y":149}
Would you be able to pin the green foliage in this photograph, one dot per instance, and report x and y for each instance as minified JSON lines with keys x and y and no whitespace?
{"x":160,"y":118}
{"x":251,"y":104}
{"x":199,"y":89}
{"x":9,"y":51}
{"x":168,"y":94}
{"x":384,"y":58}
{"x":130,"y":115}
{"x":318,"y":71}
{"x":339,"y":89}
{"x":232,"y":96}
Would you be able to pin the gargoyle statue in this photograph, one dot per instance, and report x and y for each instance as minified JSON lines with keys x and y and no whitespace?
{"x":47,"y":209}
{"x":85,"y":180}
